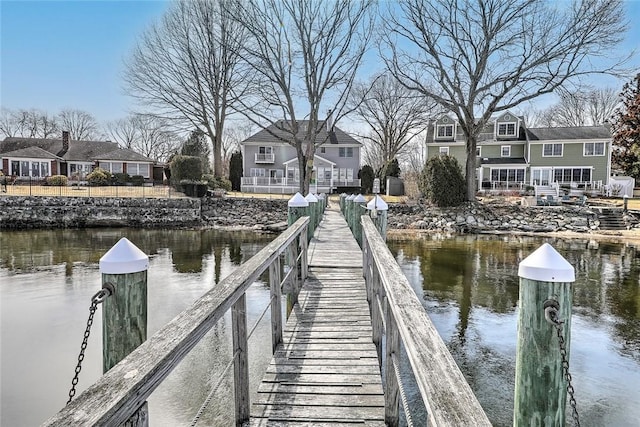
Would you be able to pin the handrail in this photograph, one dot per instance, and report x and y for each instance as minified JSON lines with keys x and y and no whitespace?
{"x":115,"y":396}
{"x":446,"y":394}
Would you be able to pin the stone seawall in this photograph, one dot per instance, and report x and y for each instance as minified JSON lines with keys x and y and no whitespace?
{"x":505,"y":217}
{"x":80,"y":212}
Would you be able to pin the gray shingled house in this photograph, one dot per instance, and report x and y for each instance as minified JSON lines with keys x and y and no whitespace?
{"x":511,"y":156}
{"x":38,"y":158}
{"x":270,"y":164}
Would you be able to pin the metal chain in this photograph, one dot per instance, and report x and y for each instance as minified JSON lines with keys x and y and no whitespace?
{"x":98,"y":298}
{"x":551,"y":308}
{"x":567,"y":375}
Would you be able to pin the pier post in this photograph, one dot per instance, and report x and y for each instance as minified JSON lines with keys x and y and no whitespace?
{"x":313,"y":215}
{"x":540,"y":385}
{"x":359,"y":208}
{"x":378,"y":208}
{"x":343,"y":198}
{"x":348,"y":209}
{"x":297,"y":208}
{"x":124,"y":314}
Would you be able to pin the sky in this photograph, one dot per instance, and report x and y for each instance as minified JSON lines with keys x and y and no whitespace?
{"x":70,"y":54}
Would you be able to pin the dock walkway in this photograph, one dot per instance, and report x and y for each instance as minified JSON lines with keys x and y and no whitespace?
{"x":326,"y":372}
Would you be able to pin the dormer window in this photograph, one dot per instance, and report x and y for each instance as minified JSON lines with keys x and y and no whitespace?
{"x":506,"y":129}
{"x":444,"y":131}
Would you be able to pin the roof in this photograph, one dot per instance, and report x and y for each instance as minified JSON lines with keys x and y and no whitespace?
{"x":315,"y":157}
{"x":335,"y":136}
{"x":78,"y":150}
{"x":563,"y":133}
{"x":31,"y":153}
{"x":502,"y":161}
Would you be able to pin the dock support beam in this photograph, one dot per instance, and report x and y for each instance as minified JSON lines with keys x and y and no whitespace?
{"x":540,"y":385}
{"x":124,"y":314}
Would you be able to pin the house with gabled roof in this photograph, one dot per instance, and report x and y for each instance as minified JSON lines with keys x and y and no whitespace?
{"x":38,"y":158}
{"x":511,"y":156}
{"x":270,"y":163}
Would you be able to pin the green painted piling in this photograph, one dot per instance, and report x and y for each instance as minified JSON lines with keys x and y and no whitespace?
{"x":359,"y":209}
{"x":124,"y":312}
{"x":297,"y":208}
{"x":540,"y":386}
{"x":313,"y":215}
{"x":377,"y":209}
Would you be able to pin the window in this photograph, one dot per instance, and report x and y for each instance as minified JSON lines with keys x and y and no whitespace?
{"x":141,"y":169}
{"x":113,"y":167}
{"x":507,"y":175}
{"x":79,"y":169}
{"x":444,"y":150}
{"x":444,"y":131}
{"x":478,"y":152}
{"x":594,"y":148}
{"x":324,"y":174}
{"x":505,"y":151}
{"x":293,"y":174}
{"x":345,"y":152}
{"x":552,"y":150}
{"x":506,"y":129}
{"x":572,"y":174}
{"x":32,"y":168}
{"x":259,"y":172}
{"x":323,"y":150}
{"x":265,"y":155}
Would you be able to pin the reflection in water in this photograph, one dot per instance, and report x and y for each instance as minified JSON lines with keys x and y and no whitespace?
{"x":47,"y":278}
{"x":469,"y":287}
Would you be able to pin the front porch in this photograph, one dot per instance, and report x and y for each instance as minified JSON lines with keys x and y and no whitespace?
{"x":285,"y":185}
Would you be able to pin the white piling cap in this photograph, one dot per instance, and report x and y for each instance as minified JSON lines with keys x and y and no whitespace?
{"x":359,"y":199}
{"x":124,"y":257}
{"x":351,"y":197}
{"x":297,"y":201}
{"x":545,"y":264}
{"x":311,"y":198}
{"x":378,"y":204}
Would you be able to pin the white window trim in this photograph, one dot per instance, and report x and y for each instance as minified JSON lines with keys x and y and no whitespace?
{"x":584,"y":149}
{"x":553,"y":155}
{"x":453,"y":131}
{"x":506,"y":124}
{"x":502,"y":154}
{"x":443,"y":150}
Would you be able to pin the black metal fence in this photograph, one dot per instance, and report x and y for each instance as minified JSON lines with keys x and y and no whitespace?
{"x":26,"y":186}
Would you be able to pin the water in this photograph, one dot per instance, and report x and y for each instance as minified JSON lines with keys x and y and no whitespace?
{"x":47,"y":279}
{"x":469,"y":287}
{"x":468,"y":284}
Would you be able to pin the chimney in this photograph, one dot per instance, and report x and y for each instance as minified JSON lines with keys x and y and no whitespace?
{"x":65,"y":141}
{"x":329,"y":121}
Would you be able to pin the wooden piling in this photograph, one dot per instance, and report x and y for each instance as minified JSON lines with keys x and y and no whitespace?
{"x":124,"y":313}
{"x":540,"y":386}
{"x":378,"y":208}
{"x":359,"y":209}
{"x":313,"y":215}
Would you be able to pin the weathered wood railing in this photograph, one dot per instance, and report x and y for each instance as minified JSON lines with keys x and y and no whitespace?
{"x":397,"y":313}
{"x":125,"y":387}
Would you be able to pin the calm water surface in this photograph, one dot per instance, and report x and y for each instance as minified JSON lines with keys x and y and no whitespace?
{"x":468,"y":285}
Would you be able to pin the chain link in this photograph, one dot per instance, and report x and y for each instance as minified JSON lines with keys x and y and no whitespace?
{"x":551,"y":314}
{"x":98,"y":298}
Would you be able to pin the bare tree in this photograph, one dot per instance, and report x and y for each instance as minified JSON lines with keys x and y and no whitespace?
{"x":186,"y":65}
{"x":80,"y":124}
{"x":479,"y":57}
{"x":394,"y":114}
{"x":28,"y":123}
{"x":148,"y":135}
{"x":233,"y":135}
{"x":581,"y":108}
{"x":304,"y":55}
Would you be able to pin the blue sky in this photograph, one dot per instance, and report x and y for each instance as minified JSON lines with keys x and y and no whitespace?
{"x":69,"y":54}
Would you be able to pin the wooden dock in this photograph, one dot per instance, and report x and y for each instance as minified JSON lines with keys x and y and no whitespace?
{"x":326,"y":372}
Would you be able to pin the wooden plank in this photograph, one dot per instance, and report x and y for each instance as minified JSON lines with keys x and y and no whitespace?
{"x":123,"y":389}
{"x":445,"y":392}
{"x":326,"y":372}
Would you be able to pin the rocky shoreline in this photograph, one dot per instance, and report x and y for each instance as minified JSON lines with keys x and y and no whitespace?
{"x":270,"y":215}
